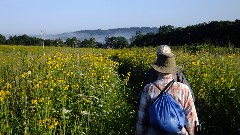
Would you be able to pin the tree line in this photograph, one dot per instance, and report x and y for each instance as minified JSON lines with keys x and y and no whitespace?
{"x":110,"y":42}
{"x":218,"y":33}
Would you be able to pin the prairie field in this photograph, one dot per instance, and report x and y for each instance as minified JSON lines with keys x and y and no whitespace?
{"x":85,"y":91}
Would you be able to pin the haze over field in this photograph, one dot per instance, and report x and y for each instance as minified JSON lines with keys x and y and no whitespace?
{"x":100,"y":35}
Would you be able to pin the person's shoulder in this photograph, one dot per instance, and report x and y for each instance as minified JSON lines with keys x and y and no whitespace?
{"x":147,"y":86}
{"x":181,"y":85}
{"x":180,"y":73}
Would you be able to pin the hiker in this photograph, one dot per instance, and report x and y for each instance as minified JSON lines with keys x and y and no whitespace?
{"x":152,"y":74}
{"x":166,"y":68}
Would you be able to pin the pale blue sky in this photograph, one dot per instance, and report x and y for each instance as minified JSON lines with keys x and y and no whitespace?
{"x":59,"y":16}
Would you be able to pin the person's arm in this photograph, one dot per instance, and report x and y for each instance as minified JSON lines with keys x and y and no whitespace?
{"x":142,"y":120}
{"x":190,"y":111}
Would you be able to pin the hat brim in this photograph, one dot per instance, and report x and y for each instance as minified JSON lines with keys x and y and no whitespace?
{"x":168,"y":55}
{"x":166,"y":69}
{"x":179,"y":68}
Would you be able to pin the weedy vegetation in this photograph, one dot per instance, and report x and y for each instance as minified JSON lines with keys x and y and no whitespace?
{"x":59,"y":90}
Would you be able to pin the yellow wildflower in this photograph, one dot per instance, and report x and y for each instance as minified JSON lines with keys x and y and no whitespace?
{"x":40,"y":122}
{"x":66,"y":87}
{"x":8,"y":85}
{"x":51,"y":89}
{"x":41,"y":99}
{"x":86,"y":100}
{"x":68,"y":74}
{"x":51,"y":126}
{"x":34,"y":102}
{"x":23,"y":75}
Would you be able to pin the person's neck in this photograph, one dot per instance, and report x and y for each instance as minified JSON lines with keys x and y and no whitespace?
{"x":165,"y":76}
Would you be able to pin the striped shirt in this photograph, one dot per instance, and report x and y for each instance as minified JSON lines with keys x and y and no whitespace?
{"x":180,"y":93}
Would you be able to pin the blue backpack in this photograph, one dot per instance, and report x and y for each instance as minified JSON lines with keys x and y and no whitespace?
{"x":165,"y":114}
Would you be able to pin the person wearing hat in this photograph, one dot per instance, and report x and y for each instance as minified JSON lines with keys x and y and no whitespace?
{"x":152,"y":75}
{"x":166,"y":68}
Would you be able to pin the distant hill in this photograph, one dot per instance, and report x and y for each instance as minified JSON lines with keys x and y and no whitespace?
{"x":100,"y":35}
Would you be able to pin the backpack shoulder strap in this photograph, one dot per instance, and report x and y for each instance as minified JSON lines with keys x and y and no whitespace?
{"x":165,"y":88}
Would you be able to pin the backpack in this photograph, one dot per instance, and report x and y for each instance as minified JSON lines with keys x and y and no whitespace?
{"x":165,"y":114}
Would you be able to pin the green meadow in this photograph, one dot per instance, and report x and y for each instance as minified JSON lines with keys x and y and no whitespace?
{"x":61,"y":90}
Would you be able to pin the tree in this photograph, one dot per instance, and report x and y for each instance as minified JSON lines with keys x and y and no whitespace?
{"x":48,"y":42}
{"x":137,"y":39}
{"x":2,"y":39}
{"x":148,"y":39}
{"x":91,"y":43}
{"x":72,"y":42}
{"x":165,"y":29}
{"x":24,"y":40}
{"x":116,"y":42}
{"x":58,"y":42}
{"x":12,"y":40}
{"x":141,"y":40}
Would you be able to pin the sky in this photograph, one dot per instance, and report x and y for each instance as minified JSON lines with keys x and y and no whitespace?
{"x":59,"y":16}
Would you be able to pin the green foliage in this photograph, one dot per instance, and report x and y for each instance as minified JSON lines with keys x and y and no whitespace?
{"x":219,"y":33}
{"x":72,"y":42}
{"x":58,"y":42}
{"x":116,"y":42}
{"x":166,"y":29}
{"x":23,"y":40}
{"x":59,"y":90}
{"x":89,"y":43}
{"x":213,"y":75}
{"x":2,"y":39}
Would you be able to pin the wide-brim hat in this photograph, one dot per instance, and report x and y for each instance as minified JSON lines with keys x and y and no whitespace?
{"x":166,"y":63}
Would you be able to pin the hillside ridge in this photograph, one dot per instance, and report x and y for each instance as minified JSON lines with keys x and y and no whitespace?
{"x":100,"y":34}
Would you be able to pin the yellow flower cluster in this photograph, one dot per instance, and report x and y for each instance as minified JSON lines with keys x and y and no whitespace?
{"x":49,"y":123}
{"x":68,"y":89}
{"x":3,"y":95}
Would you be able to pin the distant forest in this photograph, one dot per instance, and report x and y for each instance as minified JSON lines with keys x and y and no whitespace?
{"x":218,"y":33}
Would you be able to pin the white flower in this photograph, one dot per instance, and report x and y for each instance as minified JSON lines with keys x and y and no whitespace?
{"x":65,"y":111}
{"x":232,"y":90}
{"x":80,"y":95}
{"x":29,"y":73}
{"x":85,"y":112}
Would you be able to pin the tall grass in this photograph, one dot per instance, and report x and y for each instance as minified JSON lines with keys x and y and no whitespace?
{"x":59,"y":90}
